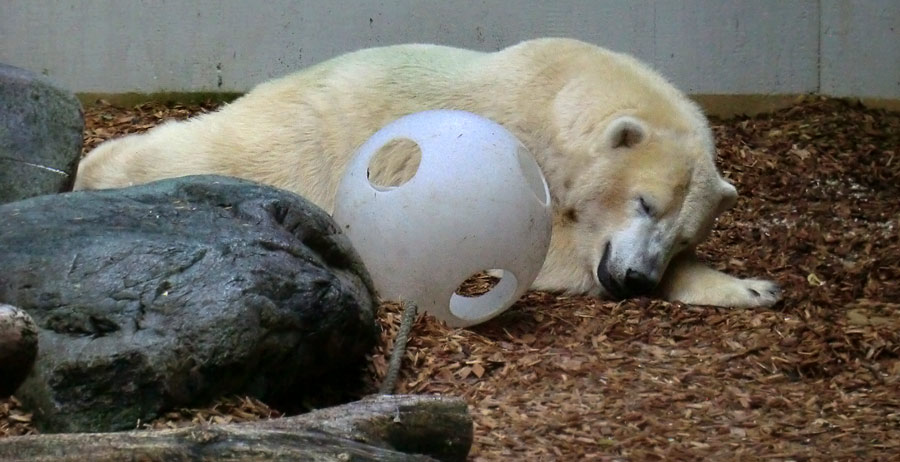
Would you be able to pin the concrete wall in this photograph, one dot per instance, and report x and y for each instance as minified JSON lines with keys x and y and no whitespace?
{"x":860,"y":48}
{"x":705,"y":46}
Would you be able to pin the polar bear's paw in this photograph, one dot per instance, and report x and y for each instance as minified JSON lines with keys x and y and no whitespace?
{"x":745,"y":293}
{"x":732,"y":292}
{"x":697,"y":284}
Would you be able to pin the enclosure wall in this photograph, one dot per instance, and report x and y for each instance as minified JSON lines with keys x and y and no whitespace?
{"x":764,"y":47}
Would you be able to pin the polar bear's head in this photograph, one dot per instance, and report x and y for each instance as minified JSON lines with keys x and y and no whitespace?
{"x":634,"y":186}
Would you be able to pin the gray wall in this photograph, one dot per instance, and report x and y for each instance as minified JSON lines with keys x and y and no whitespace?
{"x":764,"y":47}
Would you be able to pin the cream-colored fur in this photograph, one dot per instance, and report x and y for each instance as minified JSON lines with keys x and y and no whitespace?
{"x":628,"y":158}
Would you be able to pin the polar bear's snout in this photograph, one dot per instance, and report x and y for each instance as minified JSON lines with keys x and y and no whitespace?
{"x":634,"y":281}
{"x":638,"y":283}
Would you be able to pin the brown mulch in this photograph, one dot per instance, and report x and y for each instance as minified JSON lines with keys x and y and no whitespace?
{"x":574,"y":378}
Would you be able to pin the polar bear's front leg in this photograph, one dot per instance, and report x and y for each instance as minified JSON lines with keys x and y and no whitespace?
{"x":689,"y":281}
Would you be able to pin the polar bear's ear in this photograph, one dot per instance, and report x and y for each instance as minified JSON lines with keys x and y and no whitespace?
{"x":625,"y":132}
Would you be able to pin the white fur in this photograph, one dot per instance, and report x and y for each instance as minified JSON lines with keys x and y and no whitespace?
{"x":628,"y":158}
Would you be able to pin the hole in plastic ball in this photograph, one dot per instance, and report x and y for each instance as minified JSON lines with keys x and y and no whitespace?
{"x":479,"y":283}
{"x":533,"y":176}
{"x":495,"y":295}
{"x":394,"y":164}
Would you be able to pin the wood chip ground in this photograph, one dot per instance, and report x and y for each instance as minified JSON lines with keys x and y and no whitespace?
{"x":815,"y":378}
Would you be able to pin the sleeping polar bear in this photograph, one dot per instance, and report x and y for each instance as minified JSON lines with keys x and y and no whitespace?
{"x":628,"y":158}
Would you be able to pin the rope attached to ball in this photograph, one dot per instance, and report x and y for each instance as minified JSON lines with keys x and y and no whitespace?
{"x":399,"y":351}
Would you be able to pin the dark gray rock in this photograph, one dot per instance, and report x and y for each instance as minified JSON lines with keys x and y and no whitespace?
{"x":18,"y":347}
{"x":175,"y":292}
{"x":41,"y":131}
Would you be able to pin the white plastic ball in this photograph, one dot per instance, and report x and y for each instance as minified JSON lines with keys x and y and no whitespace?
{"x":477,"y":202}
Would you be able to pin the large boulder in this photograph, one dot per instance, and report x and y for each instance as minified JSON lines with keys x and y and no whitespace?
{"x":173,"y":293}
{"x":41,"y":131}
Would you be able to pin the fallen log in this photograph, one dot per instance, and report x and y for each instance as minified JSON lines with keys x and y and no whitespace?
{"x":381,"y":428}
{"x":18,"y":347}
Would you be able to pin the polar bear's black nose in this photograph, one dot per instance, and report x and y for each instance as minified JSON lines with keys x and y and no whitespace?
{"x":638,"y":283}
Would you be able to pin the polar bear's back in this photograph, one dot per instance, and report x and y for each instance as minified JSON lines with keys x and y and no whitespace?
{"x":398,"y":68}
{"x":299,"y":131}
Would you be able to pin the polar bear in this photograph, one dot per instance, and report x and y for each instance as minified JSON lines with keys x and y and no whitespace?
{"x":629,"y":160}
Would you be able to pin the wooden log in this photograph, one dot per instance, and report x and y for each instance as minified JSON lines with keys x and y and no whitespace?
{"x":18,"y":347}
{"x":381,"y":428}
{"x":437,"y":426}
